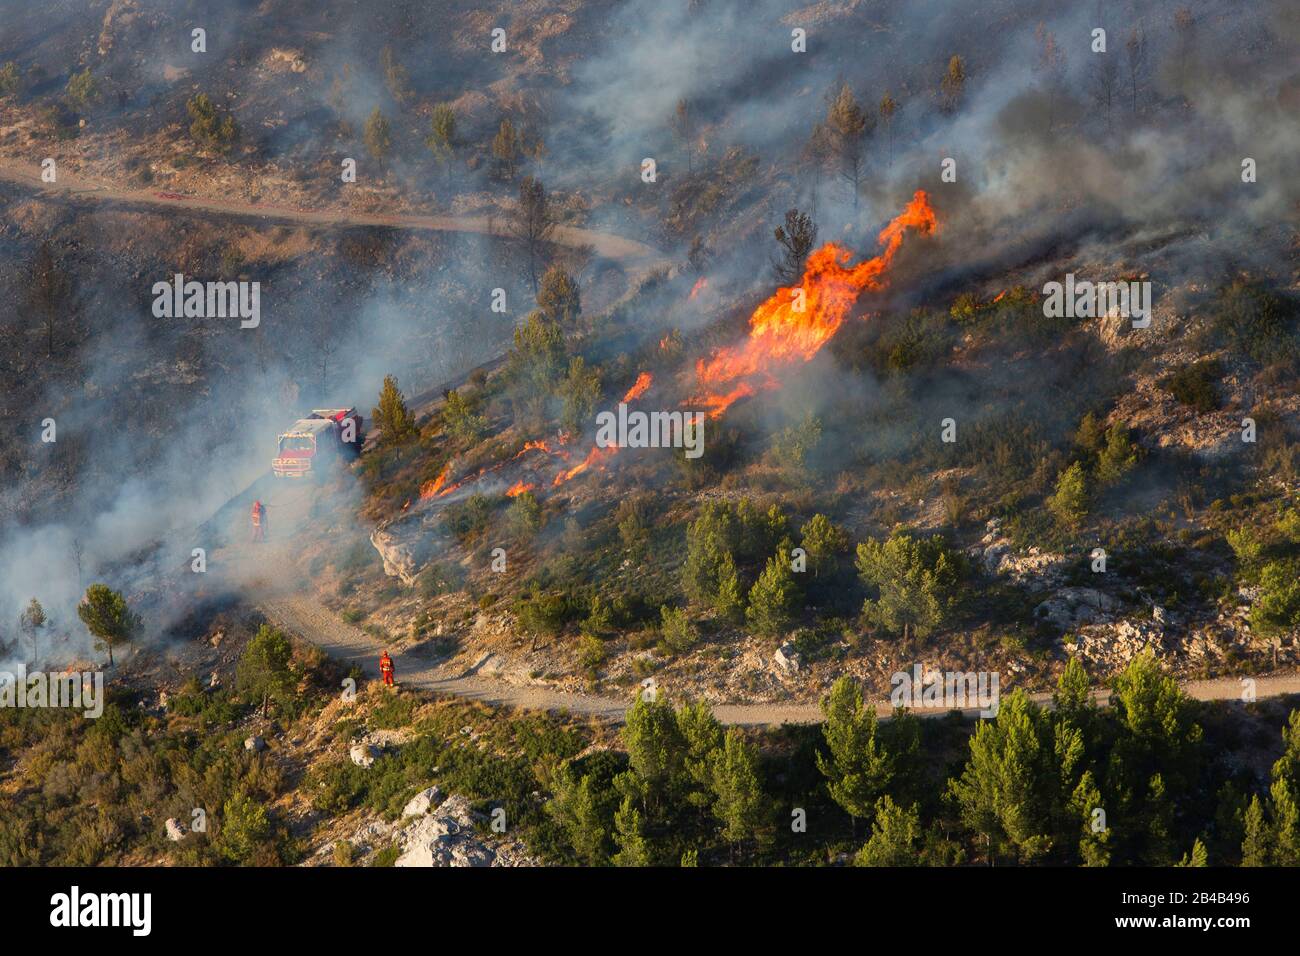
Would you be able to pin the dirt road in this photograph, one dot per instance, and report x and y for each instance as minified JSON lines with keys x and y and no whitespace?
{"x":304,"y":618}
{"x":628,"y":253}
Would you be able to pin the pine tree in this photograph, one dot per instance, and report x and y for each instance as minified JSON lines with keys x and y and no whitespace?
{"x":729,"y":601}
{"x":773,"y":598}
{"x":48,"y":291}
{"x":895,"y":832}
{"x":1197,"y":857}
{"x":684,"y":131}
{"x":576,"y":808}
{"x":655,"y":751}
{"x":1094,"y":843}
{"x":848,"y":125}
{"x":1005,"y":789}
{"x":559,"y":297}
{"x":107,"y":618}
{"x":702,"y":735}
{"x":796,"y":237}
{"x":632,"y":847}
{"x":265,"y":670}
{"x":953,"y":83}
{"x":379,"y":136}
{"x":857,"y":770}
{"x":916,"y":581}
{"x":579,"y":393}
{"x":207,"y":127}
{"x":30,"y":621}
{"x":1070,"y":501}
{"x":394,"y":420}
{"x":1073,"y":700}
{"x":532,"y":223}
{"x":505,"y":149}
{"x":1257,"y":844}
{"x":1286,"y":825}
{"x":1159,"y":814}
{"x":888,"y":107}
{"x":1285,"y":796}
{"x":536,"y":364}
{"x":740,"y":804}
{"x":441,"y":140}
{"x":823,"y":542}
{"x":460,"y":418}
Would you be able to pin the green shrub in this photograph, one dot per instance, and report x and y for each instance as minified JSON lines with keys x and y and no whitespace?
{"x":1069,"y":504}
{"x":387,"y":856}
{"x":1255,"y":321}
{"x":467,"y":520}
{"x":1278,"y":606}
{"x":207,"y":127}
{"x":1194,"y":384}
{"x":677,"y":629}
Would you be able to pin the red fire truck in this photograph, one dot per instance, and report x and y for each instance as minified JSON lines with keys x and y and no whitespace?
{"x":313,"y":444}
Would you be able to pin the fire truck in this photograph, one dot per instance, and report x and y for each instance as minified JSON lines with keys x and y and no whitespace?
{"x":313,"y":445}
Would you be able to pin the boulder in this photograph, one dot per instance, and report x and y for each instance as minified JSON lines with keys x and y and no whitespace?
{"x":402,"y":554}
{"x":175,"y":830}
{"x":363,"y":755}
{"x":422,"y":802}
{"x":1073,"y":607}
{"x":446,"y":837}
{"x":254,"y":743}
{"x":1033,"y":567}
{"x":787,"y":659}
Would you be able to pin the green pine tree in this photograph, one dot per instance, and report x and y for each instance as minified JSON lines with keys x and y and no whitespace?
{"x":740,"y":805}
{"x":1257,"y":844}
{"x":1197,"y":857}
{"x":265,"y":669}
{"x":895,"y":833}
{"x":655,"y":751}
{"x":632,"y":847}
{"x":856,"y":767}
{"x":773,"y":598}
{"x":107,"y":618}
{"x":394,"y":420}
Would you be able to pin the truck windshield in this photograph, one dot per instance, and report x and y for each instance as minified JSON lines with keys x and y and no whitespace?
{"x":296,"y":443}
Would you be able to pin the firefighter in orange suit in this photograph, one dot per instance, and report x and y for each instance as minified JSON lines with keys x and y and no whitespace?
{"x":386,"y":669}
{"x":259,"y":521}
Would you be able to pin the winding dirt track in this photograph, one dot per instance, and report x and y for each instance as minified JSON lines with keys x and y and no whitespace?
{"x":627,"y":253}
{"x":300,"y":616}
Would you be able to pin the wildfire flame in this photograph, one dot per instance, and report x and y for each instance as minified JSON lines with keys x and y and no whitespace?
{"x":518,"y":488}
{"x":593,"y":456}
{"x":792,"y":326}
{"x":438,"y":487}
{"x":639,"y":387}
{"x":700,"y":285}
{"x":430,"y":489}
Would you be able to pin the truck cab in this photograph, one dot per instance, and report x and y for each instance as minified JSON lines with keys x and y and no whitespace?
{"x":313,"y":444}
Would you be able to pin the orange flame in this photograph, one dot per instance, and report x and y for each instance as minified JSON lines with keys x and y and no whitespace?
{"x":780,"y":333}
{"x":593,"y":456}
{"x":998,"y":297}
{"x":700,"y":285}
{"x":430,"y":489}
{"x":518,"y":488}
{"x":639,"y":387}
